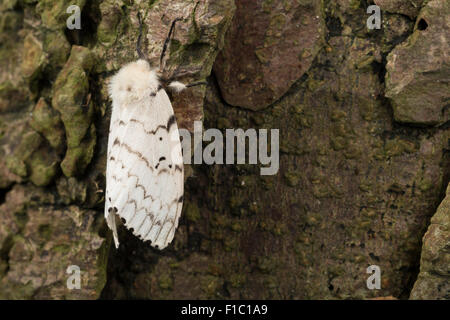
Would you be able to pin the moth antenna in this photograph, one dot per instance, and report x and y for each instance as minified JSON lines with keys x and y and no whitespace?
{"x":196,"y":84}
{"x":166,"y":42}
{"x":138,"y":44}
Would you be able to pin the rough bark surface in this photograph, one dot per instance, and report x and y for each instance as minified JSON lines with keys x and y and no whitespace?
{"x":269,"y":46}
{"x":364,"y":149}
{"x":407,"y":7}
{"x":418,"y":70}
{"x":434,"y":277}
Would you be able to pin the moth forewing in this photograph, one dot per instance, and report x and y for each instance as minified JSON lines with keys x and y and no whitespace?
{"x":144,"y":176}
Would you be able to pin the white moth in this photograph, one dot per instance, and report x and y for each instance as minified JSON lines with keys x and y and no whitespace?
{"x":144,"y":172}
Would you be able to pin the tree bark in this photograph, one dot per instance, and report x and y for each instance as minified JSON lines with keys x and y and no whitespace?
{"x":364,"y":148}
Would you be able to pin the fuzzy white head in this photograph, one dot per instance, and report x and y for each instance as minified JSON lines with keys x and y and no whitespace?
{"x":134,"y":83}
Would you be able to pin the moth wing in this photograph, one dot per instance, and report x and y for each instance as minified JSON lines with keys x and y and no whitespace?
{"x":114,"y":167}
{"x":145,"y":171}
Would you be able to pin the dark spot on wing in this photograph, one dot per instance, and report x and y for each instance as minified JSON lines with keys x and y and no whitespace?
{"x":162,"y":159}
{"x":170,"y":122}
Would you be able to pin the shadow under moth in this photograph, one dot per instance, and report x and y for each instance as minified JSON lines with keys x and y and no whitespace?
{"x":144,"y":171}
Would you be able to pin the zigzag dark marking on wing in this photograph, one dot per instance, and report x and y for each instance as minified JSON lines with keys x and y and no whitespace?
{"x":166,"y":219}
{"x":138,"y":185}
{"x":136,"y":209}
{"x":146,"y":197}
{"x":159,"y":223}
{"x":173,"y":224}
{"x":124,"y":134}
{"x":117,"y":160}
{"x":115,"y":178}
{"x":149,"y":213}
{"x":147,"y":131}
{"x":152,"y":132}
{"x":145,"y":193}
{"x":132,"y":151}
